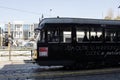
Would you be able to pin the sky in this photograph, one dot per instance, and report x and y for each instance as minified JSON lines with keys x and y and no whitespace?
{"x":30,"y":11}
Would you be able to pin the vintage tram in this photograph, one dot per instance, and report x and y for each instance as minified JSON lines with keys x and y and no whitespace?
{"x":77,"y":42}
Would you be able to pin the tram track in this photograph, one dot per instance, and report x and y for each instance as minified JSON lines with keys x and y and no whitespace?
{"x":48,"y":74}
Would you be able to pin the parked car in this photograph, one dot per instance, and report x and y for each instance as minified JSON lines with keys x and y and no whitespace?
{"x":29,"y":45}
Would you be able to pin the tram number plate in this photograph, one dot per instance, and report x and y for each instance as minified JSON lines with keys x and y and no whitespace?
{"x":43,"y":51}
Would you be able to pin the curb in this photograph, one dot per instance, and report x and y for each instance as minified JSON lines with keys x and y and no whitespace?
{"x":16,"y":62}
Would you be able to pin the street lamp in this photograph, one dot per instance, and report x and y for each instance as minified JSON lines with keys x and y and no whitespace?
{"x":50,"y":12}
{"x":9,"y":42}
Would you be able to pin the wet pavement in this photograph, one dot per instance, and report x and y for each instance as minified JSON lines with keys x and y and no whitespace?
{"x":20,"y":70}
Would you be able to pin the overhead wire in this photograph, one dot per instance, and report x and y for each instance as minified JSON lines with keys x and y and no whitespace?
{"x":20,"y":10}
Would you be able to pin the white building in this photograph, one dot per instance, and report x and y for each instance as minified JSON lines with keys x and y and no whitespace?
{"x":21,"y":31}
{"x":1,"y":34}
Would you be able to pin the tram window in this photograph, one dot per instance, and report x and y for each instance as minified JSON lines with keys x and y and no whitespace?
{"x":92,"y":37}
{"x":59,"y":34}
{"x":112,"y":35}
{"x":53,"y":36}
{"x":37,"y":35}
{"x":68,"y":39}
{"x":82,"y":34}
{"x":118,"y":36}
{"x":96,"y":34}
{"x":66,"y":36}
{"x":42,"y":36}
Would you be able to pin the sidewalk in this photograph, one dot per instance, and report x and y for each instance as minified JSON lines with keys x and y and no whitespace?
{"x":11,"y":62}
{"x":15,"y":62}
{"x":15,"y":53}
{"x":15,"y":59}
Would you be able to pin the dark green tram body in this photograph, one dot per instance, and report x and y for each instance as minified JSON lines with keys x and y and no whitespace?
{"x":68,"y":54}
{"x":68,"y":48}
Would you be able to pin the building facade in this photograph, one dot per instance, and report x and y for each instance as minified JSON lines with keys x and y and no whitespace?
{"x":21,"y":31}
{"x":1,"y":34}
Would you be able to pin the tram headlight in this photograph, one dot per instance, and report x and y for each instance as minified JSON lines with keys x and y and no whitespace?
{"x":34,"y":54}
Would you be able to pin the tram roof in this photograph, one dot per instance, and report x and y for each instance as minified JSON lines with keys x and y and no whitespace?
{"x":78,"y":21}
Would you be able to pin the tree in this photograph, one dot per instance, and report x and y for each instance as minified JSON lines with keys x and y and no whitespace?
{"x":117,"y":18}
{"x":108,"y":17}
{"x":109,"y":14}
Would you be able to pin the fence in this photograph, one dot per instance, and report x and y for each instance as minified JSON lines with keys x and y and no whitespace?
{"x":5,"y":48}
{"x":15,"y":53}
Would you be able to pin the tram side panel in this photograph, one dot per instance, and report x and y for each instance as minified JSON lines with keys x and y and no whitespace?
{"x":55,"y":54}
{"x":67,"y":53}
